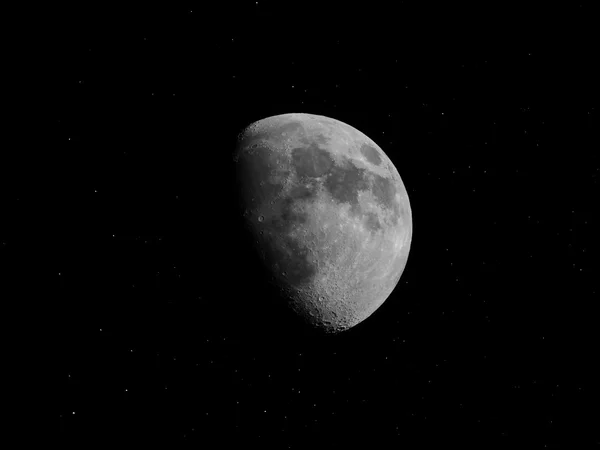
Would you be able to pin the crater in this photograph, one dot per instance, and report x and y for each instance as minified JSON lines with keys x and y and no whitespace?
{"x":371,"y":154}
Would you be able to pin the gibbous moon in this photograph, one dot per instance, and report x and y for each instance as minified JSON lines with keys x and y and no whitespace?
{"x":329,"y":214}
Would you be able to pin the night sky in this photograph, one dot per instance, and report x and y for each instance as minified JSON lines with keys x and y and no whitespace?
{"x":160,"y":328}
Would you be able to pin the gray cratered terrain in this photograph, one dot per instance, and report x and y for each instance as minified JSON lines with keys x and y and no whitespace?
{"x":329,"y":214}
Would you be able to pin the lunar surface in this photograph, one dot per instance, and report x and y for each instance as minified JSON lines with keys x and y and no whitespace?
{"x":328,"y":213}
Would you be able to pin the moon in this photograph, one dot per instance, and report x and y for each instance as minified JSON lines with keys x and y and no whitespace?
{"x":328,"y":214}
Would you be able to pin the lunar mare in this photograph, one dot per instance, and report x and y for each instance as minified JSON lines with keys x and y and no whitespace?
{"x":329,"y":213}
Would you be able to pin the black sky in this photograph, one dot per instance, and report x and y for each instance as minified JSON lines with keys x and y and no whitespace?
{"x":161,"y":330}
